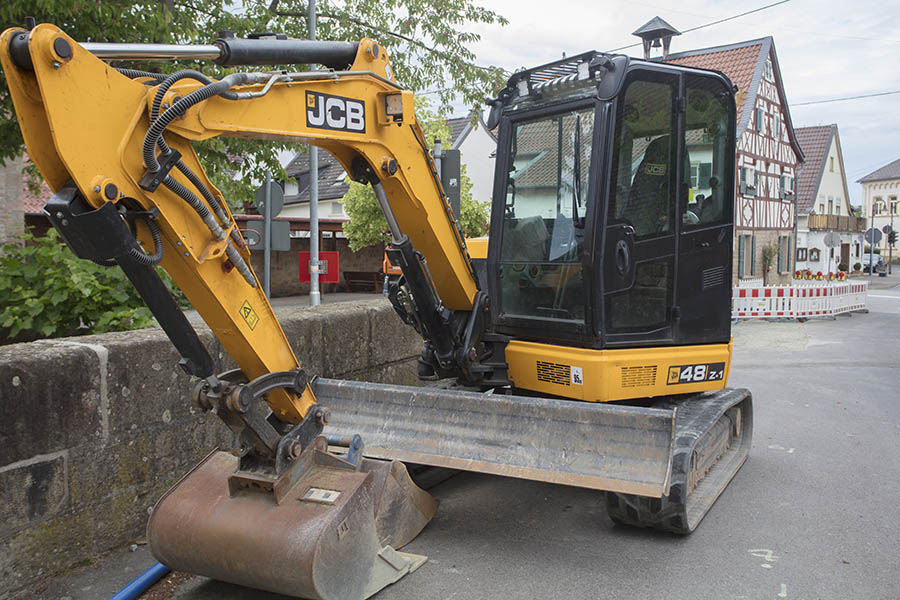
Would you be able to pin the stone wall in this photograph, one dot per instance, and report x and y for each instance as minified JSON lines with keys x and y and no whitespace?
{"x":12,"y":213}
{"x":94,"y":429}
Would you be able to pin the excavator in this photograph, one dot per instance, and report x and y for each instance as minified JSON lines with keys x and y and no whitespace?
{"x":585,"y":342}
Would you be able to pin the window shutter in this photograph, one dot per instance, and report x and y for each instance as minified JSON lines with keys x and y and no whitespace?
{"x":759,"y":119}
{"x":788,"y":266}
{"x":741,"y":244}
{"x":753,"y":255}
{"x":743,"y":177}
{"x":780,"y":251}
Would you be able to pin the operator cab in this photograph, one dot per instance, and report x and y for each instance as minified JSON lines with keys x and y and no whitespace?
{"x":612,"y":223}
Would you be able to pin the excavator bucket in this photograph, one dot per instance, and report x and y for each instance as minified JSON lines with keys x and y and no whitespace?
{"x":617,"y":448}
{"x":329,"y":530}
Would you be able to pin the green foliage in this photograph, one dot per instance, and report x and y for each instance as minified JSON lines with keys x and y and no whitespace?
{"x":367,"y":225}
{"x":857,"y":266}
{"x":46,"y":291}
{"x":427,"y":40}
{"x":769,"y":254}
{"x":842,"y":266}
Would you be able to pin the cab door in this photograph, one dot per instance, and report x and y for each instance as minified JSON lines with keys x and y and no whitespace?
{"x":639,"y":246}
{"x":705,"y":245}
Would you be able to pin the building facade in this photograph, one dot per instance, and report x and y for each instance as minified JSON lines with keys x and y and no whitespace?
{"x":767,"y":158}
{"x":881,"y":201}
{"x":823,"y":205}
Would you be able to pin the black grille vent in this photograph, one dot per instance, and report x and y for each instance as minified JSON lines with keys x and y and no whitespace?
{"x":713,"y":277}
{"x":638,"y":376}
{"x":554,"y":373}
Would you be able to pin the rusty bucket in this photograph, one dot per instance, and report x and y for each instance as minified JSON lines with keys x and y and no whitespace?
{"x":331,"y":535}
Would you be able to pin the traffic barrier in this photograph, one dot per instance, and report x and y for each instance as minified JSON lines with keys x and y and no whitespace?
{"x":802,"y":299}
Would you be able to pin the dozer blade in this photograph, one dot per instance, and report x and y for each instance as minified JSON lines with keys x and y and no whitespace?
{"x":323,"y":531}
{"x":607,"y":447}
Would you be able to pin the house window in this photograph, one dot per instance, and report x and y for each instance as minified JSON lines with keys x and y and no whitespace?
{"x":801,"y":254}
{"x":893,"y":200}
{"x":769,"y":74}
{"x":760,"y":115}
{"x":830,"y":205}
{"x":814,"y":254}
{"x":786,"y":187}
{"x":831,"y":164}
{"x":748,"y":181}
{"x":777,"y":127}
{"x":877,"y":206}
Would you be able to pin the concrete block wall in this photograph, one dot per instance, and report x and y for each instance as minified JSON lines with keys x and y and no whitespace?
{"x":94,"y":429}
{"x":12,"y":212}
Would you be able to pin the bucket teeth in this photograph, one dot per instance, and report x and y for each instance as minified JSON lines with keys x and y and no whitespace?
{"x":327,"y":537}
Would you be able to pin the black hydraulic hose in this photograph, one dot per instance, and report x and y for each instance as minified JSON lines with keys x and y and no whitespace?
{"x":149,"y":260}
{"x":151,"y":139}
{"x":195,"y":203}
{"x":135,"y":73}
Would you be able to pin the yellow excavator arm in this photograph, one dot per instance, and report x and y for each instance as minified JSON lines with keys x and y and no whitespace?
{"x":126,"y":141}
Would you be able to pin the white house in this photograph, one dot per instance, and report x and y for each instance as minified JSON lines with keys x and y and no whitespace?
{"x":823,"y":204}
{"x":880,"y":193}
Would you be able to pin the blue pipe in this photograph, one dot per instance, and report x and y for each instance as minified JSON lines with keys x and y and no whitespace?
{"x":143,"y":581}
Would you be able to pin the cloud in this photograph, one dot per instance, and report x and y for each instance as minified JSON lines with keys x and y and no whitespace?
{"x":825,"y":50}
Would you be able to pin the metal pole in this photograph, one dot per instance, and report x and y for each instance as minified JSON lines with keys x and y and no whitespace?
{"x":890,"y":245}
{"x":314,"y":295}
{"x":267,"y":229}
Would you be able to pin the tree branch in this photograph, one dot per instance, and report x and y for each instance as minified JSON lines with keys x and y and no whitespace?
{"x":273,"y":8}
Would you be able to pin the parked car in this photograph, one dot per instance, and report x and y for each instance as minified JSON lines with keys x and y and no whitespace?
{"x":877,"y":263}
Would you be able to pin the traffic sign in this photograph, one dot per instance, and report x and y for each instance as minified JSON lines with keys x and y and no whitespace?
{"x":886,"y":229}
{"x":277,"y":198}
{"x":873,"y":236}
{"x":832,"y":239}
{"x":281,"y":234}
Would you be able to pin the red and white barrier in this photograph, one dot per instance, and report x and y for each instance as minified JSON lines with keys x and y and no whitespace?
{"x":803,"y":299}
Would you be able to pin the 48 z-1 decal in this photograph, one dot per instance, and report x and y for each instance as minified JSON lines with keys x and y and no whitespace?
{"x":696,"y":373}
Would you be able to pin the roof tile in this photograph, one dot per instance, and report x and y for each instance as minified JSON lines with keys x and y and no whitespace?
{"x":815,"y":142}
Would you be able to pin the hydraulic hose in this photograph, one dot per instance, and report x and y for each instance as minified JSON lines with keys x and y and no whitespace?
{"x":197,"y":204}
{"x":135,"y":73}
{"x":142,"y":582}
{"x":149,"y":260}
{"x":151,"y":139}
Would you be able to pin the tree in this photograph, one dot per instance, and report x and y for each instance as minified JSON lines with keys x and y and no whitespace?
{"x":367,"y":225}
{"x":769,"y":254}
{"x":427,"y":39}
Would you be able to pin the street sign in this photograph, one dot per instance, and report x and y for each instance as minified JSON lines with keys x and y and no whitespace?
{"x":281,"y":234}
{"x":832,"y":239}
{"x":887,"y":229}
{"x":277,"y":199}
{"x":873,"y":236}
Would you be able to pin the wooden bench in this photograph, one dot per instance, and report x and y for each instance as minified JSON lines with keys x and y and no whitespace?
{"x":364,"y":281}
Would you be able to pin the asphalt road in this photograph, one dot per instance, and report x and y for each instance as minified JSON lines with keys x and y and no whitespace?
{"x":809,"y":516}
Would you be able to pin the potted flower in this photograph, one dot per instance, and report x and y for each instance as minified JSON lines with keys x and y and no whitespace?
{"x":819,"y":276}
{"x":798,"y":274}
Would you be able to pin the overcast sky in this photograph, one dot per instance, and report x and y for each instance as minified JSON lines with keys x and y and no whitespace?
{"x":826,"y":49}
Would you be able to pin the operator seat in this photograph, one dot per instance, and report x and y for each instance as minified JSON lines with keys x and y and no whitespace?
{"x":648,"y":206}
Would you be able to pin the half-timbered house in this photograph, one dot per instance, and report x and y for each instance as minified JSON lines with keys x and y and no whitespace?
{"x":768,"y":155}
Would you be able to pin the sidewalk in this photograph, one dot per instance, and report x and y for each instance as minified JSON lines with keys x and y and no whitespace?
{"x":881,"y":283}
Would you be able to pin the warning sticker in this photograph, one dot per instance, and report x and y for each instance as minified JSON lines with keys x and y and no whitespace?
{"x":320,"y":495}
{"x":249,"y":315}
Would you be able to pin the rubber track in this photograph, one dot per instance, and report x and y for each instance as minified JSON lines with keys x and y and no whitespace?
{"x":695,"y":418}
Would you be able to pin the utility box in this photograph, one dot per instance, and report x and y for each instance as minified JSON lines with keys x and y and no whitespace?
{"x":328,"y":273}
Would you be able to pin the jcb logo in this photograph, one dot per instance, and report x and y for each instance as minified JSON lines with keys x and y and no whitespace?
{"x":324,"y":111}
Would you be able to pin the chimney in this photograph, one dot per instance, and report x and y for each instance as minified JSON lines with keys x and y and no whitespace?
{"x":655,"y":33}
